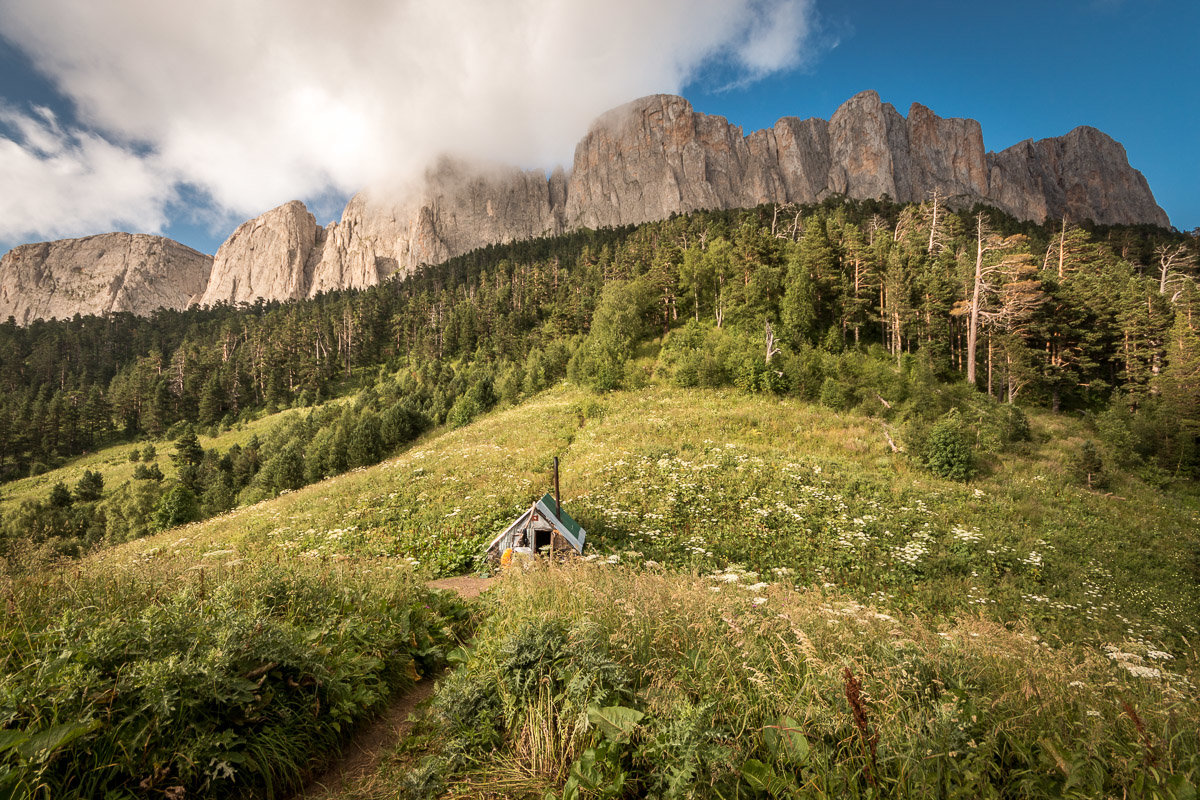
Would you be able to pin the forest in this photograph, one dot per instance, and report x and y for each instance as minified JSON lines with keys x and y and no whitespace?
{"x":919,"y":313}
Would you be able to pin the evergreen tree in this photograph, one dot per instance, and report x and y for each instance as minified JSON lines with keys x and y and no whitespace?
{"x":90,"y":487}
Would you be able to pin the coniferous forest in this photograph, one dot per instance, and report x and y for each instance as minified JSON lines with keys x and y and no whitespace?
{"x":946,"y":322}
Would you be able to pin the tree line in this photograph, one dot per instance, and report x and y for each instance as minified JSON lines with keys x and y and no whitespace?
{"x":1070,"y":317}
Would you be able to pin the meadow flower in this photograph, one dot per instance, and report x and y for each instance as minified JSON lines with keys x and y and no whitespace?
{"x":1139,"y":671}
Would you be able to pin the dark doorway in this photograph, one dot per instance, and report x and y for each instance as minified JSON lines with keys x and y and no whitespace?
{"x":541,"y":539}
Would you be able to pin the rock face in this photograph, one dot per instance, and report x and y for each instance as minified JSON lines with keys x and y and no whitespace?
{"x":456,"y":208}
{"x":1083,"y":175}
{"x":643,"y":161}
{"x":656,"y":156}
{"x":99,"y":274}
{"x":271,"y":256}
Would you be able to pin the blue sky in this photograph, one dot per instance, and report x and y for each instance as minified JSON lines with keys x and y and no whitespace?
{"x":1023,"y":69}
{"x":141,"y":117}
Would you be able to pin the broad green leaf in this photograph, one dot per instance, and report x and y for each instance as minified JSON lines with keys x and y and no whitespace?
{"x":615,"y":722}
{"x":11,"y":739}
{"x":41,"y":745}
{"x":786,"y":740}
{"x":760,"y":776}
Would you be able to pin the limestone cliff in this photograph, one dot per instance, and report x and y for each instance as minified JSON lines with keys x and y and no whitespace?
{"x":271,"y":256}
{"x":455,"y":208}
{"x":657,"y":156}
{"x":110,"y":272}
{"x":643,"y":161}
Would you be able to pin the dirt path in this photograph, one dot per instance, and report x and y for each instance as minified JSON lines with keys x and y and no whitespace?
{"x":361,"y":757}
{"x":467,"y":586}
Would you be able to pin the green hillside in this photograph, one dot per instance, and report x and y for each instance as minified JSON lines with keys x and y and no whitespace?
{"x":847,"y":485}
{"x":738,"y":498}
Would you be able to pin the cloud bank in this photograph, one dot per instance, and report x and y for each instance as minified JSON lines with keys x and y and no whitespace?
{"x":253,"y":104}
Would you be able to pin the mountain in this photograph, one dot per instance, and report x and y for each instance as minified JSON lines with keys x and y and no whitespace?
{"x":100,"y":274}
{"x":643,"y":161}
{"x":657,"y":156}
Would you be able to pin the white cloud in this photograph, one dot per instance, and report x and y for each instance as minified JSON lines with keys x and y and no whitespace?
{"x":258,"y":103}
{"x":71,"y":183}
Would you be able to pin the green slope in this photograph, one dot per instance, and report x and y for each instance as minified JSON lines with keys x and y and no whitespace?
{"x":762,"y":518}
{"x":703,"y":480}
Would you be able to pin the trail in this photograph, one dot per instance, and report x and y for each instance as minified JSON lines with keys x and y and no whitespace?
{"x":361,"y":756}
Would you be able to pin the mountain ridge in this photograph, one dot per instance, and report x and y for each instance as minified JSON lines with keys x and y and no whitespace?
{"x":645,"y":160}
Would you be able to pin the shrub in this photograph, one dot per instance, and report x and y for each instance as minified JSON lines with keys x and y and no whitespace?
{"x":836,"y":395}
{"x":90,"y":486}
{"x":947,"y":450}
{"x":177,"y":507}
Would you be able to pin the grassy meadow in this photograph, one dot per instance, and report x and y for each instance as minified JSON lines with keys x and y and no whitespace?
{"x":745,"y":553}
{"x":113,"y":463}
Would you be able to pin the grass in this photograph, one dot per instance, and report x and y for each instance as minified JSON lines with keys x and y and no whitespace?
{"x":701,"y":480}
{"x":210,"y":675}
{"x":604,"y":681}
{"x":713,"y":499}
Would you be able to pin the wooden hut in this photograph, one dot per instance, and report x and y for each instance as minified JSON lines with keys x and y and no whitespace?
{"x":545,"y":528}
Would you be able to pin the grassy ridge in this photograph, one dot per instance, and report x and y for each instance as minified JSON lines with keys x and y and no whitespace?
{"x":114,"y":465}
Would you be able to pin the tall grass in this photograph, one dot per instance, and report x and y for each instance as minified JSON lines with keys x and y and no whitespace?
{"x":176,"y":680}
{"x":590,"y":681}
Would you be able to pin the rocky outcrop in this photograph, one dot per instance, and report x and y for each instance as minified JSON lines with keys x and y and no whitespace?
{"x":1083,"y":175}
{"x":271,"y":256}
{"x":457,"y":207}
{"x":656,"y":157}
{"x":111,"y":272}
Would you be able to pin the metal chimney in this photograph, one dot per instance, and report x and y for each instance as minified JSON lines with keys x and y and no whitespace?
{"x":557,"y":501}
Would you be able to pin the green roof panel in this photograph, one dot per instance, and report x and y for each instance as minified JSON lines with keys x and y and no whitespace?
{"x":568,"y":522}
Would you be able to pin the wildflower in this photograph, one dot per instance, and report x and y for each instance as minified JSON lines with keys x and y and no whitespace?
{"x":758,"y":601}
{"x":1138,"y":671}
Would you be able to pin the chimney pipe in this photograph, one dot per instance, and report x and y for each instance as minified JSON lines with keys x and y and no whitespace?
{"x":557,"y":502}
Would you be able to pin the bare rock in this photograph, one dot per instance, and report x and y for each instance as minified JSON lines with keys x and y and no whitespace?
{"x":1083,"y":175}
{"x":111,"y":272}
{"x":457,"y":207}
{"x":945,"y":155}
{"x":271,"y":257}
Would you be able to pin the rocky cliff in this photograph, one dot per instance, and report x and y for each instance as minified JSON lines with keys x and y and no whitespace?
{"x":271,"y":256}
{"x":657,"y":156}
{"x":455,"y":208}
{"x":98,"y":275}
{"x":643,"y":161}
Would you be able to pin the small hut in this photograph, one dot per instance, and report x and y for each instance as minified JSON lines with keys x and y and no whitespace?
{"x":545,"y":527}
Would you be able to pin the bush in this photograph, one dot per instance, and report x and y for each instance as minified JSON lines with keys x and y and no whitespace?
{"x":836,"y":395}
{"x":90,"y":487}
{"x":151,"y":473}
{"x":947,"y":450}
{"x":177,"y":507}
{"x":464,"y":410}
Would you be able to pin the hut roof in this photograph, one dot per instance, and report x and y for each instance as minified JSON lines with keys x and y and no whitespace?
{"x":566,"y":519}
